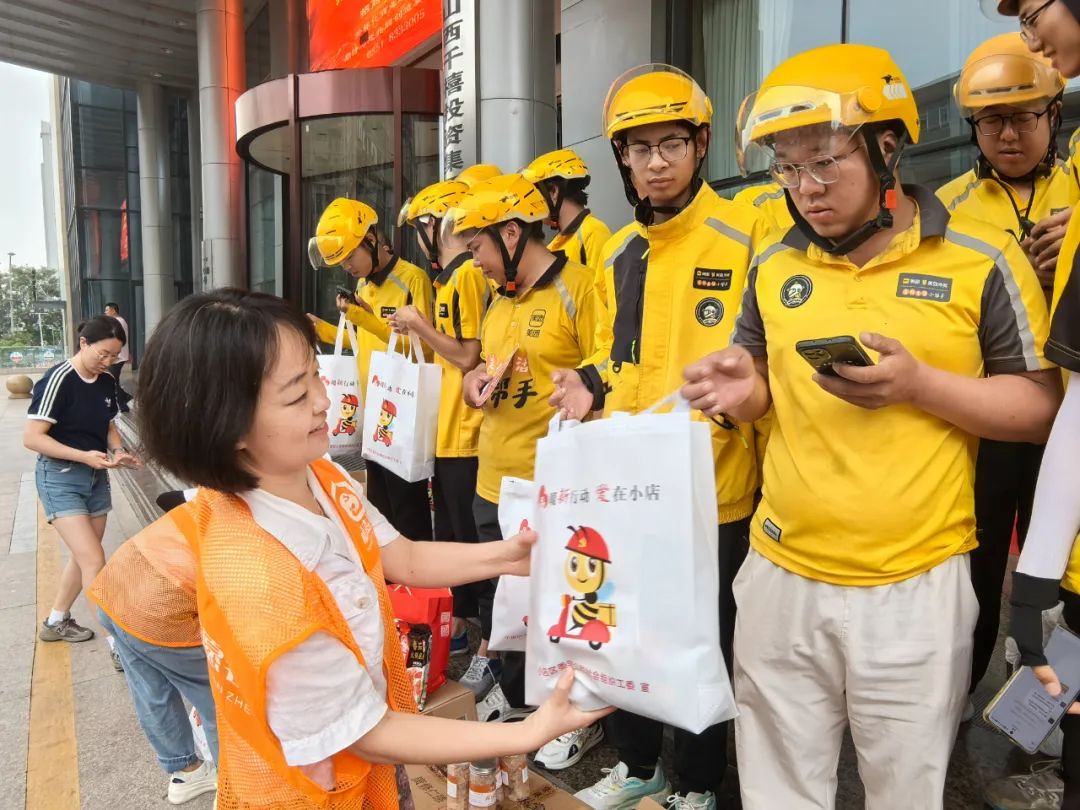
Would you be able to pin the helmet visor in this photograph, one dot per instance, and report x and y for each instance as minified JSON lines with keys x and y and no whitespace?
{"x":319,"y":247}
{"x":1006,"y":79}
{"x":999,"y":10}
{"x":803,"y":115}
{"x":403,"y":214}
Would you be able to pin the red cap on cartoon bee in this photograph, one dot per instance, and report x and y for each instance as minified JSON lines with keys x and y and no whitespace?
{"x":389,"y":407}
{"x":588,"y":543}
{"x":350,"y":399}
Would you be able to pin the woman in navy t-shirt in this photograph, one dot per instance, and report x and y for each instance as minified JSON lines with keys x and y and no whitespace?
{"x":70,"y":427}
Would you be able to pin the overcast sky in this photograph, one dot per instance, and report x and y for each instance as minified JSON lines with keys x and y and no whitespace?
{"x":25,"y":99}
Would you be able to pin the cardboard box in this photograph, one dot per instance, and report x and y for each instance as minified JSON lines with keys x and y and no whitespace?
{"x":453,"y":701}
{"x":429,"y":792}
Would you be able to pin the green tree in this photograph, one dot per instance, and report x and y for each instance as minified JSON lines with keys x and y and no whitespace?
{"x":19,"y":293}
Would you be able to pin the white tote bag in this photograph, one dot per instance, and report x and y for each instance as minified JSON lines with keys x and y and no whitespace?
{"x":342,"y":381}
{"x":510,"y":610}
{"x":625,"y":579}
{"x":401,"y":416}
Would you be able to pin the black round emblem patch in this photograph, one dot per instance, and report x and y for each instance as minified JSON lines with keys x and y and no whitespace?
{"x":709,"y":311}
{"x":796,"y":291}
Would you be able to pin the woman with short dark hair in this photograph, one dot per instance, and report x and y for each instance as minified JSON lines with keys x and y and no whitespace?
{"x":70,"y":427}
{"x":313,"y":703}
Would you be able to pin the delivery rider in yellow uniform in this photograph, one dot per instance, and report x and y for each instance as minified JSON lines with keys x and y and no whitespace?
{"x":855,"y":605}
{"x":674,"y":279}
{"x":562,"y":178}
{"x":347,"y":236}
{"x":1012,"y":100}
{"x":544,"y":317}
{"x":461,"y":299}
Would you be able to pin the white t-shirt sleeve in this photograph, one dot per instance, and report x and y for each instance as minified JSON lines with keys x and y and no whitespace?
{"x":319,"y":700}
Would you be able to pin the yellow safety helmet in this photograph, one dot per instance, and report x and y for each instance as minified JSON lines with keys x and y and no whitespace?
{"x":842,"y":87}
{"x":564,"y":163}
{"x":507,"y":197}
{"x":478,"y":173}
{"x":432,"y":201}
{"x":342,"y":228}
{"x":1003,"y":71}
{"x":493,"y":202}
{"x":651,"y":94}
{"x":557,"y":167}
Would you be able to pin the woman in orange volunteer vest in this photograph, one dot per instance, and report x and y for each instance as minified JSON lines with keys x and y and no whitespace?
{"x":291,"y":596}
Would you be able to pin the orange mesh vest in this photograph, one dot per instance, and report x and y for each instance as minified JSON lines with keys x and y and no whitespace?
{"x":256,"y":601}
{"x":148,"y":587}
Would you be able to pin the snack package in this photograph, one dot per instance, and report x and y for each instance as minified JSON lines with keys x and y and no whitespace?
{"x":418,"y":661}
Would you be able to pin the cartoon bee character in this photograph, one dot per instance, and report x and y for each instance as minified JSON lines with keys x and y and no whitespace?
{"x":384,"y":430}
{"x":585,"y":569}
{"x":347,"y":423}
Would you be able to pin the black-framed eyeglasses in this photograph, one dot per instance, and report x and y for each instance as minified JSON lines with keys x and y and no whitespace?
{"x":824,"y":169}
{"x":671,"y":150}
{"x":1027,"y":24}
{"x":1020,"y":122}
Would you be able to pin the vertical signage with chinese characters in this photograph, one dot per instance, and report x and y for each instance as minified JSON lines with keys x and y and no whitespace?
{"x":461,"y":126}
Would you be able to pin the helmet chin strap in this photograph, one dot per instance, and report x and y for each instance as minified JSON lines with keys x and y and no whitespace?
{"x":431,"y":245}
{"x":510,"y":263}
{"x":553,"y":206}
{"x":644,"y":211}
{"x":887,"y":201}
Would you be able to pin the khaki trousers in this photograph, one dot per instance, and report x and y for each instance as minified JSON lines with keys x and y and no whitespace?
{"x":892,"y":662}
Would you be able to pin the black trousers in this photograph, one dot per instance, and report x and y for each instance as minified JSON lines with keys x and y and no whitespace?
{"x":453,"y":488}
{"x":1070,"y":726}
{"x":700,"y":759}
{"x":122,"y":396}
{"x":405,"y":504}
{"x":512,"y":679}
{"x":1005,"y":476}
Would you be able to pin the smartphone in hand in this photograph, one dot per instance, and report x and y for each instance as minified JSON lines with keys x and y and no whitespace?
{"x":823,"y":353}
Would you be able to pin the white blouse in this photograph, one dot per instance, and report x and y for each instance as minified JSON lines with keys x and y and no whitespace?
{"x":319,"y":699}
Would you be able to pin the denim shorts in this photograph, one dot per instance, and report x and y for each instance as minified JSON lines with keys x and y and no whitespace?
{"x":68,"y":488}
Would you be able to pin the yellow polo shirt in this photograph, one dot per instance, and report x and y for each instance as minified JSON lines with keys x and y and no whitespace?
{"x":553,"y":324}
{"x":770,"y":200}
{"x":399,"y":284}
{"x":461,"y":299}
{"x":869,"y":497}
{"x":992,"y":200}
{"x":672,"y":293}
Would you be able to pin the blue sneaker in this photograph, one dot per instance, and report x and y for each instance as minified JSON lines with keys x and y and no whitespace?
{"x":459,"y":645}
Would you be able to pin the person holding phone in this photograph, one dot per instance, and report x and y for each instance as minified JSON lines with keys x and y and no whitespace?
{"x":348,"y":237}
{"x":1049,"y":565}
{"x":867,"y":513}
{"x":1011,"y":99}
{"x":70,"y":426}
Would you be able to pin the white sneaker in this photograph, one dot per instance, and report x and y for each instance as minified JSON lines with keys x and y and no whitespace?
{"x":617,"y":790}
{"x":186,"y":785}
{"x":568,"y":749}
{"x":1041,"y":789}
{"x":692,"y":801}
{"x":495,"y":708}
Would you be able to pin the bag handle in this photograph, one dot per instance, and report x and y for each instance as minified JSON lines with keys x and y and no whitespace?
{"x":416,"y":355}
{"x":557,"y":423}
{"x":342,"y":328}
{"x":679,"y":403}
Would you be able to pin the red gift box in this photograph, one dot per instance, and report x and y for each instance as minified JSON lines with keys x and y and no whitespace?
{"x":432,"y":607}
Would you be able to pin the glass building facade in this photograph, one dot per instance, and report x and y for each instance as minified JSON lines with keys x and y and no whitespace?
{"x":101,"y":201}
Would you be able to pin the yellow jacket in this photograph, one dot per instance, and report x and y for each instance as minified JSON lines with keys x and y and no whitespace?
{"x":672,"y":294}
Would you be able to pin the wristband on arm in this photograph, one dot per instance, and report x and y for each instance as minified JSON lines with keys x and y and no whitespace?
{"x":1030,"y":597}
